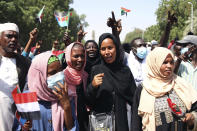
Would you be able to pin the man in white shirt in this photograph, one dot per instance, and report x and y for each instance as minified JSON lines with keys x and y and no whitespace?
{"x":136,"y":63}
{"x":13,"y":70}
{"x":137,"y":59}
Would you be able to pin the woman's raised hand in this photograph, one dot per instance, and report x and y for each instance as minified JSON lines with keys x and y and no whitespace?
{"x":62,"y":94}
{"x":98,"y":80}
{"x":81,"y":34}
{"x":27,"y":126}
{"x":33,"y":34}
{"x":66,"y":39}
{"x":116,"y":25}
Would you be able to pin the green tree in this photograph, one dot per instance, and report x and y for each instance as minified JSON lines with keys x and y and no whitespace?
{"x":182,"y":10}
{"x":152,"y":33}
{"x":134,"y":34}
{"x":23,"y":13}
{"x":188,"y":27}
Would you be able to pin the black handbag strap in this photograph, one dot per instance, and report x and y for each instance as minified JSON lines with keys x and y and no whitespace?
{"x":113,"y":104}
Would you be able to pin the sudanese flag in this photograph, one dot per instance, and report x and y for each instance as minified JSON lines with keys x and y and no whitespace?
{"x":26,"y":104}
{"x":124,"y":11}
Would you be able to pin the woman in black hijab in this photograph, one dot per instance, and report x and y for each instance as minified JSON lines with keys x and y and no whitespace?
{"x":108,"y":77}
{"x":92,"y":52}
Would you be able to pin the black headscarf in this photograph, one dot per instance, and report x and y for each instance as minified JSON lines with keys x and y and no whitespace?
{"x":116,"y":73}
{"x":118,"y":78}
{"x":117,"y":63}
{"x":90,"y":62}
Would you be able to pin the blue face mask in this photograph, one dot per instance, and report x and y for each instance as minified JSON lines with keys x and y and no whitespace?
{"x":183,"y":50}
{"x":52,"y":80}
{"x":141,"y":52}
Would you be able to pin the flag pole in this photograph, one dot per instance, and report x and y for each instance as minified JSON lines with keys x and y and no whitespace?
{"x":67,"y":29}
{"x":37,"y":24}
{"x":68,"y":21}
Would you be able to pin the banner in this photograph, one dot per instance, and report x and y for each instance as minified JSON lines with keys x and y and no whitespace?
{"x":62,"y":18}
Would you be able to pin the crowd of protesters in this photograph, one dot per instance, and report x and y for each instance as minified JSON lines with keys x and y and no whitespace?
{"x":144,"y":86}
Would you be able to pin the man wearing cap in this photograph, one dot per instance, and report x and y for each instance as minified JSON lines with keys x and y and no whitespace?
{"x":154,"y":44}
{"x":188,"y":67}
{"x":13,"y":70}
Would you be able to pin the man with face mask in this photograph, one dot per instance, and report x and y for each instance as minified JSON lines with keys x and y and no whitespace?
{"x":137,"y":58}
{"x":13,"y":70}
{"x":188,"y":67}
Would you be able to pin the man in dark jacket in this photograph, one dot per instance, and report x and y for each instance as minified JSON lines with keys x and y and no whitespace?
{"x":13,"y":71}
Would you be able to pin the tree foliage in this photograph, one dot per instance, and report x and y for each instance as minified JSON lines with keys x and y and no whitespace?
{"x":182,"y":11}
{"x":23,"y":13}
{"x":152,"y":33}
{"x":188,"y":22}
{"x":134,"y":34}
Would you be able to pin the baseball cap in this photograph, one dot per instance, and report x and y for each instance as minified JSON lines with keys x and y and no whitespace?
{"x":188,"y":39}
{"x":154,"y":42}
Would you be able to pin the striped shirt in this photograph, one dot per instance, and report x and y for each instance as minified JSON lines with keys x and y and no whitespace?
{"x":188,"y":72}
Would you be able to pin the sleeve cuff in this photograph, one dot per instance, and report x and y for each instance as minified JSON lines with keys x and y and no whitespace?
{"x":25,"y":54}
{"x":31,"y":55}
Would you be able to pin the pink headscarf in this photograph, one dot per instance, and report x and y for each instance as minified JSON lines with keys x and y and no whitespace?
{"x":37,"y":82}
{"x":72,"y":76}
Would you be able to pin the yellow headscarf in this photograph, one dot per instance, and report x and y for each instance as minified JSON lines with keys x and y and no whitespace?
{"x":156,"y":85}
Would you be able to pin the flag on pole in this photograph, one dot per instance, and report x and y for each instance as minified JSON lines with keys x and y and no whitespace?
{"x":40,"y":14}
{"x":62,"y":18}
{"x":124,"y":11}
{"x":26,"y":104}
